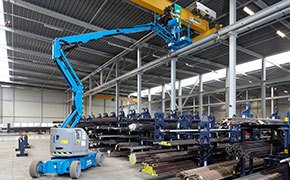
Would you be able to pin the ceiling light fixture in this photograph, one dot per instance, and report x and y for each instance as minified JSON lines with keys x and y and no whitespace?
{"x":189,"y":65}
{"x":281,"y":34}
{"x":249,"y":11}
{"x":154,"y":55}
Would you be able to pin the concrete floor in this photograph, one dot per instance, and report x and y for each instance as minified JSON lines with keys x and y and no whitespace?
{"x":16,"y":168}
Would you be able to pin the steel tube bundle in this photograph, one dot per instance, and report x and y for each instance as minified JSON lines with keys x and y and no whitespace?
{"x":252,"y":149}
{"x":216,"y":171}
{"x":168,"y":168}
{"x":139,"y":157}
{"x":149,"y":126}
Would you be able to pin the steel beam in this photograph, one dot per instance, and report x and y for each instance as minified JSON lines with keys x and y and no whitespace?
{"x":232,"y":60}
{"x":180,"y":105}
{"x":272,"y":100}
{"x":90,"y":97}
{"x":193,"y":104}
{"x":149,"y":100}
{"x":139,"y":80}
{"x":263,"y":5}
{"x":200,"y":96}
{"x":12,"y":83}
{"x":263,"y":88}
{"x":117,"y":100}
{"x":208,"y":107}
{"x":163,"y":98}
{"x":227,"y":92}
{"x":172,"y":84}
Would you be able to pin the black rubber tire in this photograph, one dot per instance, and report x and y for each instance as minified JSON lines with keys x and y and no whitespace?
{"x":75,"y":169}
{"x":33,"y":169}
{"x":100,"y":159}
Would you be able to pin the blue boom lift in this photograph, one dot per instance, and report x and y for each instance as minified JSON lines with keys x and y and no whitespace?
{"x":69,"y":145}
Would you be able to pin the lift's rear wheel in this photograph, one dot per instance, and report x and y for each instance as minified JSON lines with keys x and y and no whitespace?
{"x":100,"y":159}
{"x":75,"y":169}
{"x":34,"y":169}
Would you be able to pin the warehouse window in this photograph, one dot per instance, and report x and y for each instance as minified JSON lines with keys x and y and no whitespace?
{"x":4,"y":67}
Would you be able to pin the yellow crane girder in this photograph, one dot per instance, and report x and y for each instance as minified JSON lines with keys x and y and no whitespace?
{"x":198,"y":24}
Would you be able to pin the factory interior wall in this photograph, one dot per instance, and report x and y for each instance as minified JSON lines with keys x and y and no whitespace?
{"x":28,"y":105}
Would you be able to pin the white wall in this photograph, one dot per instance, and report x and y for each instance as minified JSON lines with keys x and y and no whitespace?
{"x":31,"y":105}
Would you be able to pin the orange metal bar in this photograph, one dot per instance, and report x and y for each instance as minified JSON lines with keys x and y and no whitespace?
{"x":102,"y":96}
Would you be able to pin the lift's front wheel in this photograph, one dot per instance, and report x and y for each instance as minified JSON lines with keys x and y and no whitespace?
{"x":34,"y":169}
{"x":100,"y":159}
{"x":75,"y":169}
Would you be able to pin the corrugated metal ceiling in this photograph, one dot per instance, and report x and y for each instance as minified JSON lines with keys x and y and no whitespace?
{"x":116,"y":14}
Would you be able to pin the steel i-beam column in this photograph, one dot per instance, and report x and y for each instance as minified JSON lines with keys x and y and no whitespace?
{"x":232,"y":61}
{"x":227,"y":103}
{"x":163,"y":98}
{"x":200,"y":96}
{"x":101,"y":78}
{"x":179,"y":96}
{"x":90,"y":97}
{"x":193,"y":104}
{"x":139,"y":80}
{"x":263,"y":89}
{"x":173,"y":80}
{"x":272,"y":100}
{"x":149,"y":100}
{"x":117,"y":100}
{"x":208,"y":105}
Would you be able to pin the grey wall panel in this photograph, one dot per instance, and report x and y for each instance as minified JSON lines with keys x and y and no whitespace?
{"x":27,"y":96}
{"x":24,"y":108}
{"x":53,"y":110}
{"x":7,"y":94}
{"x":8,"y":108}
{"x":32,"y":106}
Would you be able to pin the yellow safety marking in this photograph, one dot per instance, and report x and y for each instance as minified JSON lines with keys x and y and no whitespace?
{"x":286,"y":151}
{"x":165,"y":143}
{"x":64,"y":141}
{"x":286,"y":119}
{"x":148,"y":170}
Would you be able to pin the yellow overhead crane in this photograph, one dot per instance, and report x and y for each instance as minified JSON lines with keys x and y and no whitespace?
{"x":198,"y":23}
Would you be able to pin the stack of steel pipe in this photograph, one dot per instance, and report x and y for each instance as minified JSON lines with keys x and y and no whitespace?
{"x":138,"y":157}
{"x":271,"y":174}
{"x":168,"y":163}
{"x":252,"y":149}
{"x":167,"y":168}
{"x":255,"y":121}
{"x":221,"y":170}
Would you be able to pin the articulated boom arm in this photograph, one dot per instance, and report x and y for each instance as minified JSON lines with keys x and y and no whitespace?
{"x":58,"y":55}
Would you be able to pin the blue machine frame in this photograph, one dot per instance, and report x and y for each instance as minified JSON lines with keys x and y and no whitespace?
{"x":62,"y":165}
